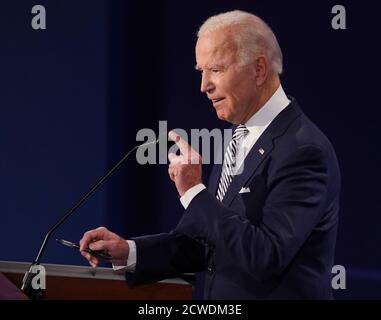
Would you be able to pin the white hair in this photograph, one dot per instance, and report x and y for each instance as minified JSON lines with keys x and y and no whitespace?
{"x":254,"y":36}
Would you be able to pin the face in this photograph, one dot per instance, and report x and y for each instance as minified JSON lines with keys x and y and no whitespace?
{"x":231,"y":88}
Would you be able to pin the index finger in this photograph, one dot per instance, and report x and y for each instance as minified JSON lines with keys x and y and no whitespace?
{"x":91,"y":236}
{"x":184,"y":147}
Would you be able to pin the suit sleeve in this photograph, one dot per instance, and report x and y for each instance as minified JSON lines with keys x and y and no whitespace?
{"x":294,"y":204}
{"x":163,"y":256}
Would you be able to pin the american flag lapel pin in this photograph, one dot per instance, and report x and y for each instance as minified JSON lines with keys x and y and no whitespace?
{"x":261,"y":151}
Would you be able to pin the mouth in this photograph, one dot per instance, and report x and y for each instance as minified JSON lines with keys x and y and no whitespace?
{"x":217,"y":102}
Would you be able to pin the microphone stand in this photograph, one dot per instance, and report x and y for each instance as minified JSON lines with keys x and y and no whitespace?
{"x":36,"y":294}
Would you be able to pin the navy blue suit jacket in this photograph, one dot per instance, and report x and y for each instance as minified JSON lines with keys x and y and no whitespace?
{"x":275,"y":242}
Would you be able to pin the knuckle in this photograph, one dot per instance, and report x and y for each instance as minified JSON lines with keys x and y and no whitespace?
{"x":87,"y":234}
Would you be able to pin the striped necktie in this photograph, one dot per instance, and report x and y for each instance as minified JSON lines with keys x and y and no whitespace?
{"x":228,"y":168}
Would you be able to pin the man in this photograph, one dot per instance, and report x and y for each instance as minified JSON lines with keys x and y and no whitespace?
{"x":268,"y":230}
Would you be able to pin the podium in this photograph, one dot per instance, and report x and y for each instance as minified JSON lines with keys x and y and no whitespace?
{"x":67,"y":282}
{"x":8,"y":291}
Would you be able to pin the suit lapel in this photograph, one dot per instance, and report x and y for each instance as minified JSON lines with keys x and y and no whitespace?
{"x":250,"y":164}
{"x":259,"y":152}
{"x":214,"y":178}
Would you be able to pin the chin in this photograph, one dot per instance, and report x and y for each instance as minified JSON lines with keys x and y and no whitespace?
{"x":221,"y":116}
{"x":224,"y":114}
{"x":224,"y":117}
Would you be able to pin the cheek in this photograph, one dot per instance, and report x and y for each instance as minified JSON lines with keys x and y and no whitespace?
{"x":243,"y":94}
{"x":233,"y":101}
{"x":235,"y":90}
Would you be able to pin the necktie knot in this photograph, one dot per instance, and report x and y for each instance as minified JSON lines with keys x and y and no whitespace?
{"x":240,"y":132}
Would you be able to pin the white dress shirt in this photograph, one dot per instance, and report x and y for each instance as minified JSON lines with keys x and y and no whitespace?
{"x":256,"y":125}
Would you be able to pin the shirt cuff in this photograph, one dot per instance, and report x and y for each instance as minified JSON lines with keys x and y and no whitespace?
{"x":131,"y":260}
{"x":190,"y":194}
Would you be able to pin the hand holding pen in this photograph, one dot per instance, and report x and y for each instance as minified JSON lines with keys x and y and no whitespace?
{"x":103,"y":240}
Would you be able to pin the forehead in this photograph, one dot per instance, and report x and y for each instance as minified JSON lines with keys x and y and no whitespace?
{"x":215,"y":47}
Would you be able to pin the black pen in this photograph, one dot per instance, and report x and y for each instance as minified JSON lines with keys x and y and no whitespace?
{"x":99,"y":254}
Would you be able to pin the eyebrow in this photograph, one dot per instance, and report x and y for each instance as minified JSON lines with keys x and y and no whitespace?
{"x":214,"y":66}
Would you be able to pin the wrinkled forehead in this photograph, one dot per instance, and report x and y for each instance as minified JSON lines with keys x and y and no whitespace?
{"x":215,"y":47}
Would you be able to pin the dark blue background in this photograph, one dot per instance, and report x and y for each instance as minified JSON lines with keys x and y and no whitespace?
{"x":73,"y":97}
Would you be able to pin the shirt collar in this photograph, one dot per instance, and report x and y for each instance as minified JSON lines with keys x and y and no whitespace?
{"x":265,"y":115}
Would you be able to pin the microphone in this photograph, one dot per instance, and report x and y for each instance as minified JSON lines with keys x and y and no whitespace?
{"x":30,"y":273}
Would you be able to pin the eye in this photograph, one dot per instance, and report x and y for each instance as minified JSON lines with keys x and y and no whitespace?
{"x":216,"y":70}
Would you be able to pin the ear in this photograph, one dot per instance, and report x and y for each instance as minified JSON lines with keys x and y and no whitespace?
{"x":261,"y":70}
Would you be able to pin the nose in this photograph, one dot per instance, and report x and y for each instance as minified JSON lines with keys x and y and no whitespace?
{"x":207,"y":84}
